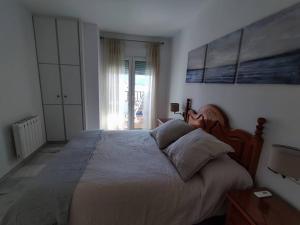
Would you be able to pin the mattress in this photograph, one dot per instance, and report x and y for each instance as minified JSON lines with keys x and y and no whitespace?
{"x":122,"y":178}
{"x":130,"y":181}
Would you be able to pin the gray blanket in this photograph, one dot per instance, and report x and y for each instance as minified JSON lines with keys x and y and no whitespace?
{"x":48,"y":198}
{"x":123,"y":178}
{"x":130,"y":181}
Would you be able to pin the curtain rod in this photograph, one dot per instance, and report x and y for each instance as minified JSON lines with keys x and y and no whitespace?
{"x":161,"y":43}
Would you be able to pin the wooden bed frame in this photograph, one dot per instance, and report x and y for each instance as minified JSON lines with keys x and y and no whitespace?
{"x":214,"y":121}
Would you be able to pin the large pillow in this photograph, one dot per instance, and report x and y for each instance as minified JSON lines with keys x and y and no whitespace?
{"x":194,"y":150}
{"x":220,"y":176}
{"x":169,"y":132}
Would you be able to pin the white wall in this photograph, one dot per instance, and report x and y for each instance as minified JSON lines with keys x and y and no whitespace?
{"x":90,"y":50}
{"x":243,"y":103}
{"x":19,"y":83}
{"x":138,"y":49}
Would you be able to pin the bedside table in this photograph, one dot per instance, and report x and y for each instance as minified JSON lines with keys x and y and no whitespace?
{"x":246,"y":209}
{"x":161,"y":121}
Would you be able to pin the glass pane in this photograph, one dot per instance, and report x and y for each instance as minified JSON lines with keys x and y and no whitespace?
{"x":142,"y":84}
{"x":123,"y":96}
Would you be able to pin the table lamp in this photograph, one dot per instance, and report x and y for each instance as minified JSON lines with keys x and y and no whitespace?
{"x":285,"y":160}
{"x":175,"y":108}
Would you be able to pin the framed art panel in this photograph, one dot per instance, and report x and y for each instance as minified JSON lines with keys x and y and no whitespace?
{"x":222,"y":58}
{"x":196,"y":63}
{"x":270,"y":52}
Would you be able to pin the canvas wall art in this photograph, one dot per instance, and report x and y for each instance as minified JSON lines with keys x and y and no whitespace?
{"x":270,"y":52}
{"x":266,"y":52}
{"x":222,"y":59}
{"x":196,"y":63}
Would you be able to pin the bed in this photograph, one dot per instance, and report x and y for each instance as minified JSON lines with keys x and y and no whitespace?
{"x":123,"y":178}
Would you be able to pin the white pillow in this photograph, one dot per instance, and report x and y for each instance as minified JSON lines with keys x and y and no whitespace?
{"x":194,"y":150}
{"x":170,"y":132}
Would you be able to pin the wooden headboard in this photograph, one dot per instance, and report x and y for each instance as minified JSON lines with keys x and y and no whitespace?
{"x":214,"y":121}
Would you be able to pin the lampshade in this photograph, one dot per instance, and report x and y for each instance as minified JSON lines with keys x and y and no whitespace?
{"x":174,"y":107}
{"x":285,"y":160}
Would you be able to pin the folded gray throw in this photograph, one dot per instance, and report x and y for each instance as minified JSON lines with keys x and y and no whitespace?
{"x":48,"y":198}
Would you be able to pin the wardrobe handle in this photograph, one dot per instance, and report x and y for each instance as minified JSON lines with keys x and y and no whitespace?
{"x":57,"y":96}
{"x":65,"y":96}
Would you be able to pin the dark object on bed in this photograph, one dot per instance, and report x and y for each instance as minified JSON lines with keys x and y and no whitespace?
{"x":214,"y":121}
{"x":216,"y":220}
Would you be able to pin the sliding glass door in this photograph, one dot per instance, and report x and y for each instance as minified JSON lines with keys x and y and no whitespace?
{"x":134,"y":89}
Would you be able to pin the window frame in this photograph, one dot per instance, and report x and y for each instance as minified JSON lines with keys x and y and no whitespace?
{"x":131,"y":87}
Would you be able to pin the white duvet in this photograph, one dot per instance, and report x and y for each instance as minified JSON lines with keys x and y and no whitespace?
{"x":129,"y":181}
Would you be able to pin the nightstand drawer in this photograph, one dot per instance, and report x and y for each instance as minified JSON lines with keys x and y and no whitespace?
{"x":246,"y":209}
{"x":234,"y":217}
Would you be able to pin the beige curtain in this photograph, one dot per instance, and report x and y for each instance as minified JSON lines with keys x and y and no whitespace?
{"x":111,"y":61}
{"x":150,"y":99}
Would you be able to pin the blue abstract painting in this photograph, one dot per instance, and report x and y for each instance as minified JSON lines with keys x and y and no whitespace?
{"x":270,"y":50}
{"x":222,"y":58}
{"x":221,"y":74}
{"x":266,"y":52}
{"x":194,"y":75}
{"x":279,"y":69}
{"x":195,"y":67}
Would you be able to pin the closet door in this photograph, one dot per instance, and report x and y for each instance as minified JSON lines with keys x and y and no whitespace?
{"x":71,"y":84}
{"x":68,"y":38}
{"x":50,"y":84}
{"x":46,"y":40}
{"x":73,"y":120}
{"x":54,"y":122}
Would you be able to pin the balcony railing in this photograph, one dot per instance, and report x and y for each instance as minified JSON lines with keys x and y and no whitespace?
{"x":138,"y":109}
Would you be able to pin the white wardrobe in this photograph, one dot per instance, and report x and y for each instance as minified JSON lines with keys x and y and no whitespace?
{"x":59,"y":61}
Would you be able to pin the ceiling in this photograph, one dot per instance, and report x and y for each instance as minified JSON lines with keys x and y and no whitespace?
{"x":140,"y":17}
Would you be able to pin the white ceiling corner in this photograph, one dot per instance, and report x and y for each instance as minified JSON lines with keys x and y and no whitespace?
{"x":140,"y":17}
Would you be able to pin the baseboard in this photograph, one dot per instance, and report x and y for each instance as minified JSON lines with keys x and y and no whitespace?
{"x":20,"y":164}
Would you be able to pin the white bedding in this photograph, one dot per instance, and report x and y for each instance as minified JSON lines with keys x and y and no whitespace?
{"x":129,"y":181}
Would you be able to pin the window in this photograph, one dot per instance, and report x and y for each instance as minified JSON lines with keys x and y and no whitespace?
{"x":134,"y":88}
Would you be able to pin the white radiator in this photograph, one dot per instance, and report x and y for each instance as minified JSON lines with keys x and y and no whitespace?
{"x":28,"y":136}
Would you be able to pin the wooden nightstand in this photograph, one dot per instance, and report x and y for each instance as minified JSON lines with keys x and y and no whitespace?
{"x":161,"y":121}
{"x":246,"y":209}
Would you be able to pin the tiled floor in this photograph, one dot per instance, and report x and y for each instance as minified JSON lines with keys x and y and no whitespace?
{"x":12,"y":187}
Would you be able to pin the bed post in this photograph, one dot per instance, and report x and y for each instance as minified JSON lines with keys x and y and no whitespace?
{"x":260,"y":127}
{"x":258,"y":143}
{"x":188,"y":106}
